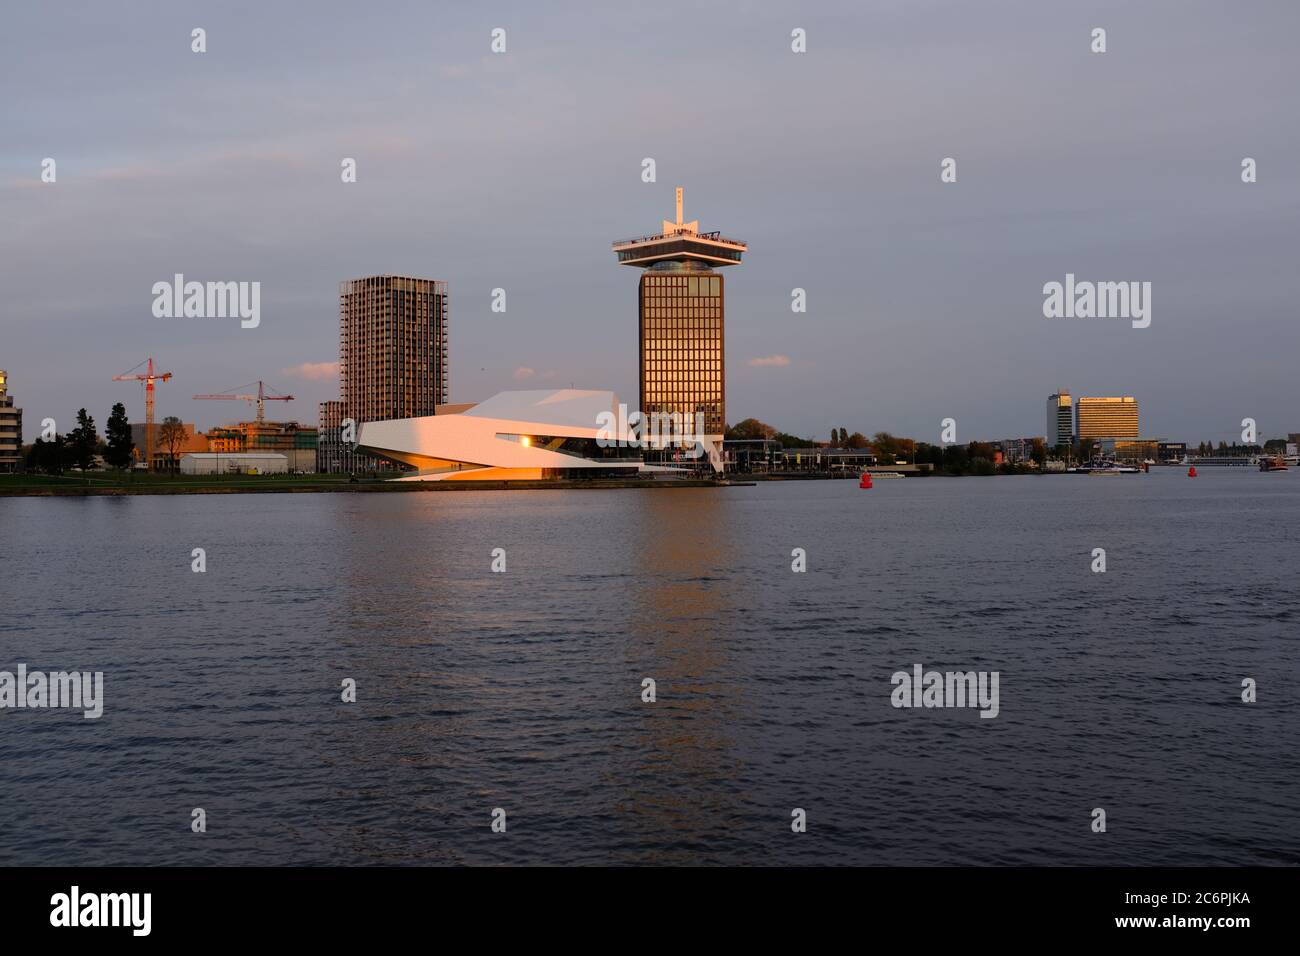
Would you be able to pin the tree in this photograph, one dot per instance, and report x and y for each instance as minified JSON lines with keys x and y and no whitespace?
{"x":955,"y":459}
{"x":885,"y":445}
{"x":52,"y":456}
{"x":83,"y":440}
{"x":172,"y":436}
{"x":1086,"y":446}
{"x":856,"y":441}
{"x":750,"y":428}
{"x":118,"y":432}
{"x":1038,"y":452}
{"x":925,"y":453}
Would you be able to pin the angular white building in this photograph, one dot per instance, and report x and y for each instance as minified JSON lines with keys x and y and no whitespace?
{"x":510,"y":436}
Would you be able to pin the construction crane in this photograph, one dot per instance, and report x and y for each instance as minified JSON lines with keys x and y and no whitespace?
{"x":148,"y":377}
{"x":261,"y":398}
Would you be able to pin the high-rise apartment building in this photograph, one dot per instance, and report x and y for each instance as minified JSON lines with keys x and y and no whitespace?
{"x":392,"y":347}
{"x":392,"y":360}
{"x":681,"y":305}
{"x":1060,"y":420}
{"x":1106,"y":417}
{"x":11,"y":428}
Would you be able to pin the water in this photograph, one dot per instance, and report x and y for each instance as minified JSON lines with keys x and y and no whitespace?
{"x":522,"y":690}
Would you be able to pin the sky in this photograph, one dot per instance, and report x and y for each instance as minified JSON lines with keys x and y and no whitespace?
{"x":517,"y":170}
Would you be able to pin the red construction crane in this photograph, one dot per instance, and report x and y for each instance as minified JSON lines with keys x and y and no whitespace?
{"x":149,"y":377}
{"x":261,"y":398}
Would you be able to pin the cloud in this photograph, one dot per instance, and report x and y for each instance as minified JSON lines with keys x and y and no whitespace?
{"x":772,"y":360}
{"x":523,"y":372}
{"x":313,"y":371}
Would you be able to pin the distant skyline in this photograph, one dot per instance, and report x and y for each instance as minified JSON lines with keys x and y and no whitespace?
{"x":516,"y":170}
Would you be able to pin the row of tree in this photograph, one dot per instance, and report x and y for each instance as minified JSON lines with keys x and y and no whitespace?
{"x":752,"y":429}
{"x":975,"y":458}
{"x":79,"y":447}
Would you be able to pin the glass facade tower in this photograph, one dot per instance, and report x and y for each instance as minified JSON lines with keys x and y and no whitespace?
{"x":1106,"y":417}
{"x":681,"y":304}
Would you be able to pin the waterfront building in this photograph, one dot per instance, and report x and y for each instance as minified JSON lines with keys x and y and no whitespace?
{"x":1171,"y":450}
{"x":242,"y":463}
{"x":194,"y":441}
{"x":1106,"y":417}
{"x":1060,"y":420}
{"x":1016,"y":449}
{"x":11,"y":428}
{"x":535,"y":434}
{"x":681,"y":306}
{"x":298,"y":443}
{"x":1129,"y":449}
{"x":329,"y":446}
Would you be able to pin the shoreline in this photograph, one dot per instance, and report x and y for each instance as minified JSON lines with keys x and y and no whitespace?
{"x":274,"y":486}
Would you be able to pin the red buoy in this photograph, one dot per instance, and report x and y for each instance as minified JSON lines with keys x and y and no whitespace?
{"x":865,"y":481}
{"x":1191,"y":472}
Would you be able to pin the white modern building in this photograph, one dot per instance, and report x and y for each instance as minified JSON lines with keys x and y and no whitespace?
{"x":239,"y":463}
{"x":511,"y":436}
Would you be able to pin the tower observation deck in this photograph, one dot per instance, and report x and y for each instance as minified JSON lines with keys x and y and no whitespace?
{"x":680,"y":242}
{"x":681,"y":331}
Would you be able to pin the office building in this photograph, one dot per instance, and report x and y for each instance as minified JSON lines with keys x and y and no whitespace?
{"x":1108,"y":417}
{"x":681,"y":307}
{"x":11,"y":428}
{"x":296,"y":442}
{"x":1060,"y":420}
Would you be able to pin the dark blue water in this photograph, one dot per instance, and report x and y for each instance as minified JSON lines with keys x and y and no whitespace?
{"x":522,"y":690}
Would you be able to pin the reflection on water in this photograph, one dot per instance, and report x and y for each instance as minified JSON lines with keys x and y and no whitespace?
{"x":678,"y":619}
{"x":522,"y":690}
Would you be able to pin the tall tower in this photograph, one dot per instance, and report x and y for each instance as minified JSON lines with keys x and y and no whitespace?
{"x":392,"y":347}
{"x":681,"y":310}
{"x":1060,"y":419}
{"x":392,"y":359}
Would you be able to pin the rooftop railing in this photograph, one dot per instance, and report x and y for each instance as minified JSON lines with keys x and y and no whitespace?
{"x":710,"y":236}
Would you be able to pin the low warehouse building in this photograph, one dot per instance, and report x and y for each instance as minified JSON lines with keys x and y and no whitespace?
{"x":236,"y":463}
